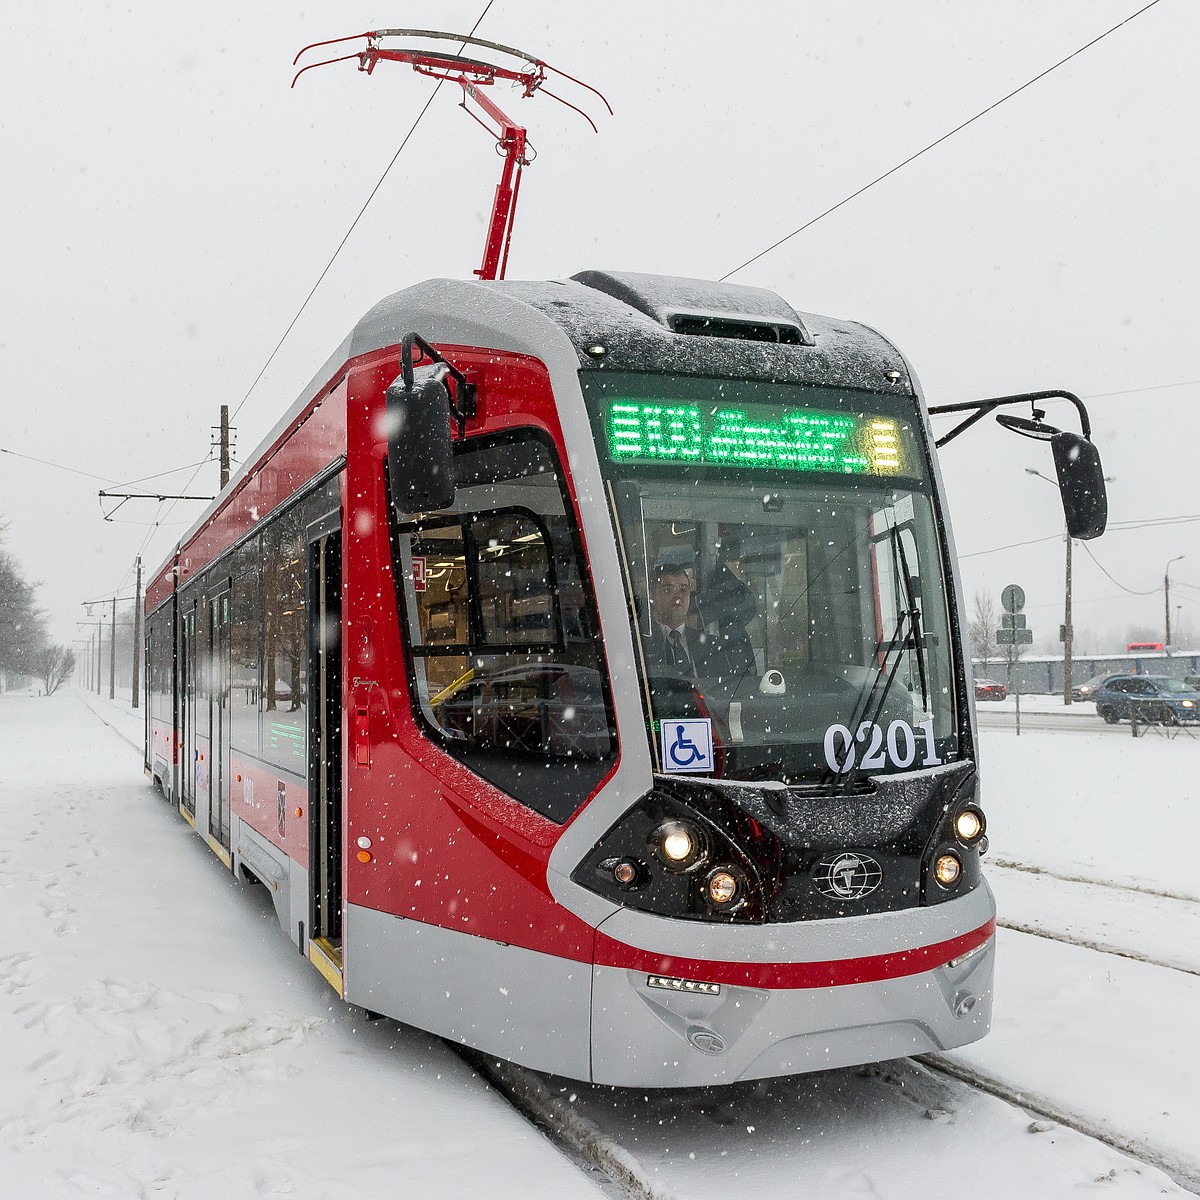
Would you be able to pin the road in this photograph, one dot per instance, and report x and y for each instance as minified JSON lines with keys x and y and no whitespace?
{"x":1076,"y":719}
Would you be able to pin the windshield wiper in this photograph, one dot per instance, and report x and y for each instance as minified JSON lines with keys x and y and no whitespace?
{"x":908,"y":636}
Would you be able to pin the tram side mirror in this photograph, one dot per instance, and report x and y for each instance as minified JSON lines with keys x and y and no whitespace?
{"x":420,"y":460}
{"x":1081,"y":484}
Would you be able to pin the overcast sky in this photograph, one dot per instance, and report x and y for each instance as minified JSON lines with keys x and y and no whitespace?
{"x":168,"y":203}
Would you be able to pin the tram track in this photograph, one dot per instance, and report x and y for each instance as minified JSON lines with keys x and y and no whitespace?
{"x":1032,"y":869}
{"x":1099,"y":947}
{"x":619,"y":1173}
{"x":1123,"y":920}
{"x":1186,"y":1175}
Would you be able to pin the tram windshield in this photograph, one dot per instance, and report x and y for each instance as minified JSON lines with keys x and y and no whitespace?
{"x":786,"y":582}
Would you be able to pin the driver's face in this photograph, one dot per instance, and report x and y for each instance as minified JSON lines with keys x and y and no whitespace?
{"x":671,"y":599}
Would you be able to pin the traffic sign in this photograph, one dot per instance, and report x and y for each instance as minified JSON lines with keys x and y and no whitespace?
{"x":1014,"y":637}
{"x":1013,"y":598}
{"x":1010,"y":620}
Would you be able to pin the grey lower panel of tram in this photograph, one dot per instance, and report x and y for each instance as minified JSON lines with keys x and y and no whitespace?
{"x":654,"y":1037}
{"x":519,"y":1004}
{"x":610,"y":1026}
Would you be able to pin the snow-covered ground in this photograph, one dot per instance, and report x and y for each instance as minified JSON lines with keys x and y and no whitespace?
{"x":164,"y":1040}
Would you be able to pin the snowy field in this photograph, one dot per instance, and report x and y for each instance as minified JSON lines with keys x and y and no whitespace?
{"x":163,"y":1039}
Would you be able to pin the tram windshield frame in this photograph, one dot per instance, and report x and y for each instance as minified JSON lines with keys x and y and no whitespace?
{"x":815,"y":633}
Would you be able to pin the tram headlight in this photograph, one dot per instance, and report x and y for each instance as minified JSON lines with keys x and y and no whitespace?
{"x":627,"y":872}
{"x":725,"y":888}
{"x":679,"y":845}
{"x":947,"y":870}
{"x":969,"y":825}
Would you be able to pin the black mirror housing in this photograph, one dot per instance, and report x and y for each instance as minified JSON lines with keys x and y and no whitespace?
{"x":419,"y":456}
{"x":1081,"y":484}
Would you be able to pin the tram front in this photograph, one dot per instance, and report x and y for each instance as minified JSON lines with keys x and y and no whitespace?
{"x":801,"y":887}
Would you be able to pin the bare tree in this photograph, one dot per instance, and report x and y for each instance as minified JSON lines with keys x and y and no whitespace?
{"x":54,"y":665}
{"x":22,"y":626}
{"x":982,"y":630}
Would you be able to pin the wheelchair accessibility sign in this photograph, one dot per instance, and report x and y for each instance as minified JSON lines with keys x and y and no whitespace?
{"x":687,"y":744}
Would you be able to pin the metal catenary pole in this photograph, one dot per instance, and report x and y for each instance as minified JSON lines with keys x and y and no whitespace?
{"x":137,"y":633}
{"x":112,"y":653}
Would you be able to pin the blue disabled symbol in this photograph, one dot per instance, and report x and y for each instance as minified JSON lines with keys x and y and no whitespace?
{"x":687,"y":745}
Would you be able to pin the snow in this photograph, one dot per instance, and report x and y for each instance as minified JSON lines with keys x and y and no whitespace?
{"x":164,"y":1039}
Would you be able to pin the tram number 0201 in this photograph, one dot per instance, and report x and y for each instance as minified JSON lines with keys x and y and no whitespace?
{"x":899,"y":745}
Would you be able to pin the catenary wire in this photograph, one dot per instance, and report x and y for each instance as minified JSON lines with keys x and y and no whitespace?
{"x":337,"y":251}
{"x":350,"y":230}
{"x":945,"y":136}
{"x":1105,"y":572}
{"x":45,"y":462}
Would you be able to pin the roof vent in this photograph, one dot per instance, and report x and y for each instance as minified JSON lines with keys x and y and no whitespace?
{"x":701,"y":325}
{"x":704,"y":308}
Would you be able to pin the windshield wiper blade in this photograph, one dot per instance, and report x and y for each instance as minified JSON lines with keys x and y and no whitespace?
{"x":915,"y":614}
{"x":843,"y":779}
{"x":908,"y":620}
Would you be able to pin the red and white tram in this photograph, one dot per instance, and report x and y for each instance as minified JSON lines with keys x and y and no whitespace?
{"x":591,"y":692}
{"x":577,"y":664}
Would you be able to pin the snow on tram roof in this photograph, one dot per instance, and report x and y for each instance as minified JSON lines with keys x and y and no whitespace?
{"x":644,"y":321}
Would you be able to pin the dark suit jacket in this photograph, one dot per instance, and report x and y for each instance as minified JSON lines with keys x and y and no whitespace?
{"x":660,"y":659}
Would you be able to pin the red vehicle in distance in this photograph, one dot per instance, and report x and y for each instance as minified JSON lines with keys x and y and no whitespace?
{"x":990,"y":689}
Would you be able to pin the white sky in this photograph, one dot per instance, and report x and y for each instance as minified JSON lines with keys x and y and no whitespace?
{"x":169,"y":202}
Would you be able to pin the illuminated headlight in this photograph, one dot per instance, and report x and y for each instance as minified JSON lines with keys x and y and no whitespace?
{"x":1187,"y":704}
{"x":969,"y":825}
{"x":947,"y":869}
{"x":678,"y":844}
{"x":724,"y":888}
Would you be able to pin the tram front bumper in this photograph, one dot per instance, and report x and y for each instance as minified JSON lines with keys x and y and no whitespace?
{"x":654,"y":1031}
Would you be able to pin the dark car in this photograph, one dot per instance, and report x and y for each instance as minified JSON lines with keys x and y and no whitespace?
{"x":1160,"y":699}
{"x":989,"y":689}
{"x":1088,"y":689}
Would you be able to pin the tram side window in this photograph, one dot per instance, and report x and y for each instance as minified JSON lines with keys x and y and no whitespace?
{"x":507,"y":664}
{"x":285,"y":649}
{"x":246,"y":628}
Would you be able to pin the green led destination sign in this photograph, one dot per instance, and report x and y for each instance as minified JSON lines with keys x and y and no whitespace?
{"x":760,"y":435}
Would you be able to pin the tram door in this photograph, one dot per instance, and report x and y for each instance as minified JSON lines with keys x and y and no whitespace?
{"x":187,"y":709}
{"x":218,"y":699}
{"x":325,"y":735}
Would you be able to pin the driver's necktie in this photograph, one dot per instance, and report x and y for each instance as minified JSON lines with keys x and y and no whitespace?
{"x":679,"y":652}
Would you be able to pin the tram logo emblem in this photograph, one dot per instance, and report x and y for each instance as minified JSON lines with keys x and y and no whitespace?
{"x":847,"y":876}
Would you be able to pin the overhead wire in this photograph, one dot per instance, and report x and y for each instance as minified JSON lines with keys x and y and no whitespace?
{"x":1104,"y":570}
{"x":45,"y":462}
{"x":337,"y":251}
{"x":358,"y":217}
{"x":937,"y":142}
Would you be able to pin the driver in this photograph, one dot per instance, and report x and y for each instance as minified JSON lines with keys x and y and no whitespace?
{"x":671,"y":644}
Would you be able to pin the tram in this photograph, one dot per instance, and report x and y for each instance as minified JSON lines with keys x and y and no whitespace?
{"x":578,"y":665}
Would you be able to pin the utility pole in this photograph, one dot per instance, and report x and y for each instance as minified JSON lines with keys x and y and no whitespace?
{"x":1068,"y":633}
{"x":112,"y":653}
{"x":224,"y":445}
{"x":1167,"y":600}
{"x":112,"y":643}
{"x":137,"y":633}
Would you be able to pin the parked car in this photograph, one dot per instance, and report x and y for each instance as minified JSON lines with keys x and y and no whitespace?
{"x":1160,"y":699}
{"x":1088,"y":689}
{"x":989,"y":689}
